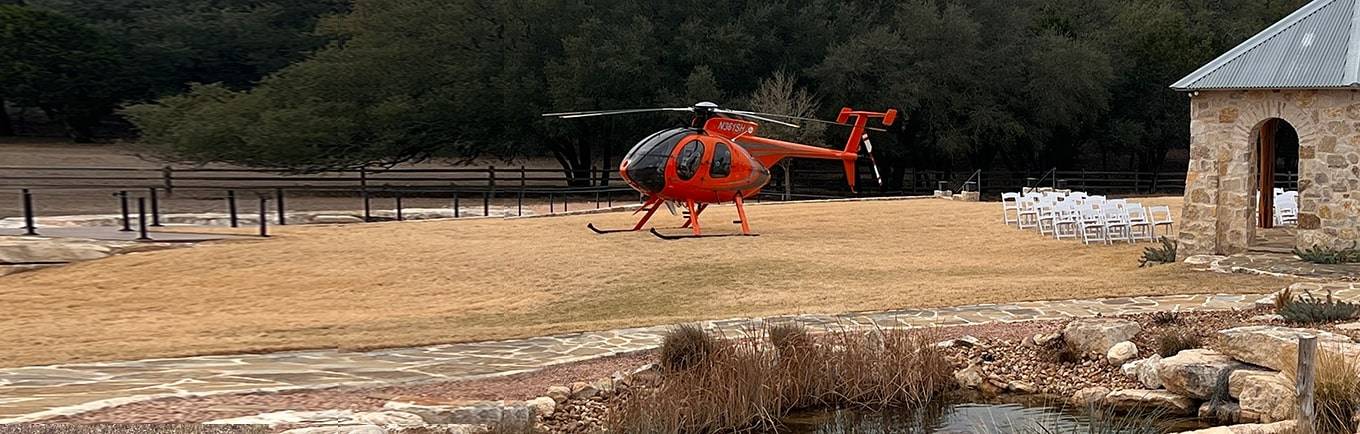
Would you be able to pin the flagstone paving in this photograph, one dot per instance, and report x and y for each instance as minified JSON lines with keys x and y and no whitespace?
{"x":33,"y":393}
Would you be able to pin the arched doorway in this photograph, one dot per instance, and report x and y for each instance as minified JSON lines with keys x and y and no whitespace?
{"x":1276,"y":147}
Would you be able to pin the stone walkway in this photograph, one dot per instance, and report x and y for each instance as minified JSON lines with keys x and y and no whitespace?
{"x":33,"y":393}
{"x":1285,"y":264}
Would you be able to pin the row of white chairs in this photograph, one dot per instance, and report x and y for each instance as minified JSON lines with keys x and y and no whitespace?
{"x":1091,"y":219}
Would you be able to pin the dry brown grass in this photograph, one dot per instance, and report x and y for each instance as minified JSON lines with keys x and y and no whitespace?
{"x":397,"y":284}
{"x":747,"y":385}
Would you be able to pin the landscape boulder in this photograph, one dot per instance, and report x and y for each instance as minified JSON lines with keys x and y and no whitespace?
{"x":1274,"y":346}
{"x":1198,"y":373}
{"x":1096,"y":336}
{"x":338,"y":429}
{"x":1264,"y":396}
{"x":341,"y":418}
{"x":970,"y":377}
{"x":1089,"y":396}
{"x":1220,"y":411}
{"x":1145,"y":371}
{"x":1151,"y":400}
{"x":584,"y":390}
{"x":1286,"y":427}
{"x":542,"y":406}
{"x":1121,"y":353}
{"x":559,"y":394}
{"x":468,"y":412}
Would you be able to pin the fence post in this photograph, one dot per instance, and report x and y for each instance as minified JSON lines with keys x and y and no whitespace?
{"x":400,"y":217}
{"x":491,"y":170}
{"x":788,"y":179}
{"x":552,"y":204}
{"x":127,"y":213}
{"x":278,"y":199}
{"x":486,"y":204}
{"x":1305,"y":383}
{"x":29,"y":227}
{"x":142,"y":235}
{"x":363,"y":191}
{"x":456,"y":209}
{"x":168,"y":177}
{"x":155,"y":208}
{"x":264,"y":215}
{"x":231,"y":209}
{"x":522,"y":185}
{"x":566,"y":198}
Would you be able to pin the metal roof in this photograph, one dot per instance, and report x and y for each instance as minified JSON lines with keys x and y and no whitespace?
{"x":1317,"y":46}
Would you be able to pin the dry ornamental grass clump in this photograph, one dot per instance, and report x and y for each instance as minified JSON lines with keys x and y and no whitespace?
{"x":1173,"y":342}
{"x":1336,"y":396}
{"x":749,"y":384}
{"x":686,"y":346}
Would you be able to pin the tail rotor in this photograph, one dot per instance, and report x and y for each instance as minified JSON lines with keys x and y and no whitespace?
{"x":869,"y":149}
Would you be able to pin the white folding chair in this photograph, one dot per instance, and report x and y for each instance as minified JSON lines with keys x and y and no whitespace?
{"x":1116,"y":224}
{"x":1028,"y":216}
{"x":1067,"y":223}
{"x":1092,"y":226}
{"x":1161,"y":216}
{"x":1286,"y":210}
{"x":1010,"y":205}
{"x":1140,"y":226}
{"x":1048,"y":214}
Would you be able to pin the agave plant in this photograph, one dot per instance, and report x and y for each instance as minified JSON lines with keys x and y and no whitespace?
{"x":1166,"y":254}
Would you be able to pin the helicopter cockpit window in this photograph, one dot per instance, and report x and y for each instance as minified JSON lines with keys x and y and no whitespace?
{"x":690,"y":156}
{"x":722,"y":161}
{"x":647,"y":161}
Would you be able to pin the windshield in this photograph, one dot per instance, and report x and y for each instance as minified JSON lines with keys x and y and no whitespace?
{"x":646,"y":162}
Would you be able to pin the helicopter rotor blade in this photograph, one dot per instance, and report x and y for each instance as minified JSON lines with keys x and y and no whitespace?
{"x":869,"y":149}
{"x":586,"y":114}
{"x":804,"y":119}
{"x":755,"y":116}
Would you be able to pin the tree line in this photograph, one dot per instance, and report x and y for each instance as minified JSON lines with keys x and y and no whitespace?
{"x":982,"y":84}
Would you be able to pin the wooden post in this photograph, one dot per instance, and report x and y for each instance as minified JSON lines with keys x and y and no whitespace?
{"x":1265,"y":208}
{"x":1305,"y":383}
{"x":788,"y":179}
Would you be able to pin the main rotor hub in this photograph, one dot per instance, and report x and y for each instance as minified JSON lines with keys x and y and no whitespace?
{"x":703,"y":111}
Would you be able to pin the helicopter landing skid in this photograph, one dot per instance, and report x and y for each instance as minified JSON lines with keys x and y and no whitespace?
{"x":592,"y":227}
{"x":683,"y":237}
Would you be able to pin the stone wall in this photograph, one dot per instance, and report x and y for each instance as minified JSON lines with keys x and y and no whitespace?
{"x":1220,"y":205}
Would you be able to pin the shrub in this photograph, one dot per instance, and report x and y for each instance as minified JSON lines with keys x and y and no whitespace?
{"x":1166,"y":254}
{"x":1165,"y":318}
{"x":1312,"y":310}
{"x":1328,"y":255}
{"x":744,"y":385}
{"x":1336,"y":393}
{"x":686,"y":346}
{"x":1283,"y":299}
{"x":1172,"y":343}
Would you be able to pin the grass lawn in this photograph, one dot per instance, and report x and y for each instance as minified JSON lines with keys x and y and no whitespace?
{"x":399,"y":284}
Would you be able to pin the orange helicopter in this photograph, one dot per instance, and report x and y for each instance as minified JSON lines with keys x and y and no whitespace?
{"x":719,"y":158}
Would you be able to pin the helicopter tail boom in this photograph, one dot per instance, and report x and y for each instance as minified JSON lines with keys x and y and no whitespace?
{"x":770,"y":151}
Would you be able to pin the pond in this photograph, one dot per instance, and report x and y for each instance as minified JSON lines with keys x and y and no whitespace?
{"x":1016,"y":415}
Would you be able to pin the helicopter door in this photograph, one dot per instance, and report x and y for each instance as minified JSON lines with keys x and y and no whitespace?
{"x":722,"y":161}
{"x":687,"y":165}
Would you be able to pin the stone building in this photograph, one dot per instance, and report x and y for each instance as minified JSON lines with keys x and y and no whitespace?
{"x":1286,"y":100}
